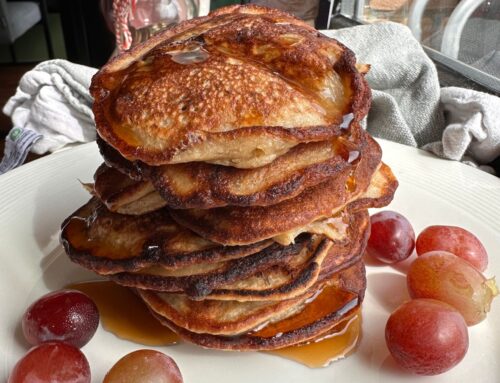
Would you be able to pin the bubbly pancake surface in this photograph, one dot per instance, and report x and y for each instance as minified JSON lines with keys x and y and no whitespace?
{"x":244,"y":86}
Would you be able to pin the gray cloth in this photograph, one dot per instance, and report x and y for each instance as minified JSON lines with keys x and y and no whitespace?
{"x":408,"y":105}
{"x":472,"y":129}
{"x":404,"y":81}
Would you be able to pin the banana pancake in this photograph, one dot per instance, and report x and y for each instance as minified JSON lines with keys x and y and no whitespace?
{"x":202,"y":185}
{"x":244,"y":225}
{"x":274,"y":273}
{"x":245,"y":85}
{"x":124,"y":195}
{"x":236,"y":183}
{"x":293,"y":268}
{"x":108,"y":243}
{"x":245,"y":326}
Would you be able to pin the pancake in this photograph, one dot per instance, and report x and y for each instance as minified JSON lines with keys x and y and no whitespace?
{"x":243,"y":225}
{"x":245,"y":326}
{"x":202,"y":185}
{"x":292,"y":269}
{"x":245,"y":85}
{"x":234,"y":194}
{"x":108,"y":243}
{"x":124,"y":195}
{"x":275,"y":273}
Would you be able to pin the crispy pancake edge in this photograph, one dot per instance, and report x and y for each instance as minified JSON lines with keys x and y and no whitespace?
{"x":152,"y":253}
{"x":201,"y":286}
{"x":213,"y":182}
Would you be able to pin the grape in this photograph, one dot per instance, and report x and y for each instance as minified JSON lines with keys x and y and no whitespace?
{"x":455,"y":240}
{"x":144,"y":366}
{"x":67,"y":315}
{"x":392,"y":238}
{"x":53,"y":362}
{"x":443,"y":276}
{"x":426,"y":336}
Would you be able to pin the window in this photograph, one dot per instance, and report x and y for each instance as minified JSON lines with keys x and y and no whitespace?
{"x":462,"y":34}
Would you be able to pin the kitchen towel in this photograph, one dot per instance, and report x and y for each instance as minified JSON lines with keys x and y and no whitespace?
{"x":50,"y":109}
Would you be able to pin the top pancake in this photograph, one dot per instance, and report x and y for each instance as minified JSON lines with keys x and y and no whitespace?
{"x":238,"y":87}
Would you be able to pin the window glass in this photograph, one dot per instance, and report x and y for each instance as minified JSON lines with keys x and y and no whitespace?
{"x":467,"y":31}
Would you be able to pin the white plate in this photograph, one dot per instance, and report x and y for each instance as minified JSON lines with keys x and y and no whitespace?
{"x":35,"y":198}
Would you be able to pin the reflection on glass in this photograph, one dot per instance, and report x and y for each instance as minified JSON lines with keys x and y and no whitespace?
{"x":464,"y":30}
{"x":386,"y":10}
{"x":148,"y":17}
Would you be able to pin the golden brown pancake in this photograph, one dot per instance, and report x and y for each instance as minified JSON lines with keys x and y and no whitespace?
{"x":245,"y":326}
{"x":237,"y":178}
{"x":108,"y":243}
{"x":244,"y":86}
{"x":244,"y":225}
{"x":202,"y":185}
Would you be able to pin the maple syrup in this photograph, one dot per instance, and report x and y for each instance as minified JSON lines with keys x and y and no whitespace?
{"x":125,"y":315}
{"x":337,"y":344}
{"x":350,"y":184}
{"x":327,"y":301}
{"x":191,"y":54}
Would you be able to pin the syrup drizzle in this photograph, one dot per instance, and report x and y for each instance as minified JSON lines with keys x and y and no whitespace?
{"x":192,"y":54}
{"x":337,"y":344}
{"x":125,"y":315}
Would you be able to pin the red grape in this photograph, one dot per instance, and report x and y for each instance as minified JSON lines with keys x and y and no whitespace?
{"x":426,"y":336}
{"x":443,"y":276}
{"x":53,"y":362}
{"x":144,"y":366}
{"x":392,"y":238}
{"x":455,"y":240}
{"x":67,"y":315}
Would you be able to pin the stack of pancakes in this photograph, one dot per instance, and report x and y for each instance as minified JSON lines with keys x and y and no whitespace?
{"x":236,"y":182}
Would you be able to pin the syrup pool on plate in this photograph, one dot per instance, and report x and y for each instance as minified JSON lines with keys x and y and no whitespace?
{"x":125,"y":315}
{"x":338,"y":344}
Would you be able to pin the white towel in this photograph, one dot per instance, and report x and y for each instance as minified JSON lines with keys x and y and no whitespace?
{"x":472,"y":128}
{"x":53,"y":100}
